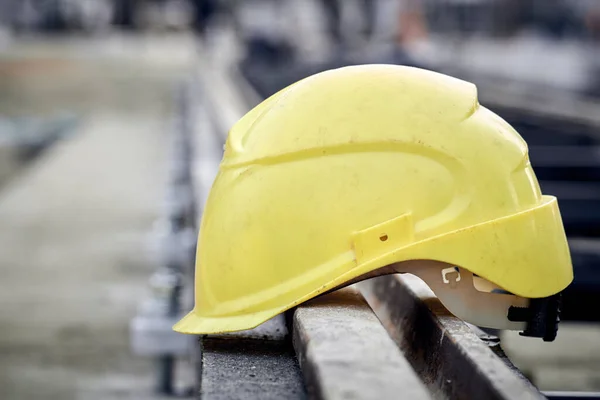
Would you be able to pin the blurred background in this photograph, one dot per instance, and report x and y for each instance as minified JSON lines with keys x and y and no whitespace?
{"x":105,"y":107}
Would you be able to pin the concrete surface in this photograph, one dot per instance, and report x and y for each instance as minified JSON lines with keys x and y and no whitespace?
{"x":250,"y":369}
{"x":74,"y":225}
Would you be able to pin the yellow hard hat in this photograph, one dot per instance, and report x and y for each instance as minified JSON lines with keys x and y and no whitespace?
{"x":374,"y":169}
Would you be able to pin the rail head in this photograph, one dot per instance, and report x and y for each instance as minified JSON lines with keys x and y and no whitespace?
{"x":446,"y":353}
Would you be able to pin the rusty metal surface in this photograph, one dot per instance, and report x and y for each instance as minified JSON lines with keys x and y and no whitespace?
{"x":345,"y":353}
{"x":450,"y":358}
